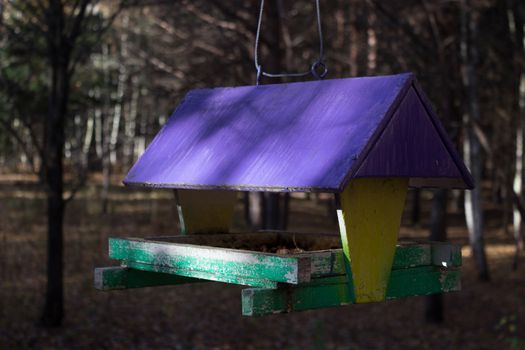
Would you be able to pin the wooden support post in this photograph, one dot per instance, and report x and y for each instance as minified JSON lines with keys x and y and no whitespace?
{"x":203,"y":211}
{"x":119,"y":277}
{"x":369,"y":216}
{"x":333,"y":291}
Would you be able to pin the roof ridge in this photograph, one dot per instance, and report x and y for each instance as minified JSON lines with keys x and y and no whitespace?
{"x":379,"y":130}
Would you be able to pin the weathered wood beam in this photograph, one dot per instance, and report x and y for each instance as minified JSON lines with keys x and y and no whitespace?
{"x":259,"y":269}
{"x":407,"y":255}
{"x":334,"y":291}
{"x":204,"y":275}
{"x":323,"y":265}
{"x":119,"y":277}
{"x":216,"y":263}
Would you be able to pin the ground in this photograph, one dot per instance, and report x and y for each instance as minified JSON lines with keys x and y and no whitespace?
{"x":208,"y":316}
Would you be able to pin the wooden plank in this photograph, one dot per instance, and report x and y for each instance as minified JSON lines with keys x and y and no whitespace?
{"x":203,"y":275}
{"x":205,"y":211}
{"x":196,"y":260}
{"x":369,"y":218}
{"x":323,"y":263}
{"x":410,"y":254}
{"x":331,"y":263}
{"x":119,"y":277}
{"x":322,"y":248}
{"x":334,"y":291}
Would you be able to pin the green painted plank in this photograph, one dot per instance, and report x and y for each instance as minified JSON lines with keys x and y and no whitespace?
{"x":217,"y":277}
{"x":333,"y":291}
{"x":412,"y":255}
{"x":194,"y":261}
{"x":320,"y":247}
{"x":423,"y":281}
{"x":118,"y":277}
{"x":408,"y":255}
{"x":259,"y":269}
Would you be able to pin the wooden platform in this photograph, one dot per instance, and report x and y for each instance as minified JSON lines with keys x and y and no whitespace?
{"x":289,"y":271}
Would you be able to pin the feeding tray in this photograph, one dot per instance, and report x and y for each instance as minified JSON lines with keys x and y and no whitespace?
{"x":271,"y":261}
{"x":364,"y":139}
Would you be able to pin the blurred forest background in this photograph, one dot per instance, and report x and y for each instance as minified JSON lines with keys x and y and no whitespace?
{"x":86,"y":84}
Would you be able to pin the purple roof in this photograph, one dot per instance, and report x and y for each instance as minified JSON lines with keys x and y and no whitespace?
{"x":308,"y":136}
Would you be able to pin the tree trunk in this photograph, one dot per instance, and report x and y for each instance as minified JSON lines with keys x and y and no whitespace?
{"x":98,"y":124}
{"x":131,"y":124}
{"x":271,"y":204}
{"x":371,"y":42}
{"x":2,"y":12}
{"x":253,"y":204}
{"x":438,"y":232}
{"x":121,"y":90}
{"x":88,"y":140}
{"x":471,"y":144}
{"x":519,"y":227}
{"x":60,"y":40}
{"x":517,"y":30}
{"x":339,"y":42}
{"x":415,"y":212}
{"x":105,"y":137}
{"x":354,"y":38}
{"x":517,"y":185}
{"x":54,"y":149}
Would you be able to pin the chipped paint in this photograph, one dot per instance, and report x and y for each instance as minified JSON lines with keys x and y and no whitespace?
{"x":333,"y":291}
{"x":221,"y":261}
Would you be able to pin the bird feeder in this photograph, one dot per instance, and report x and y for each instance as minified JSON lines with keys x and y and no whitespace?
{"x":367,"y":140}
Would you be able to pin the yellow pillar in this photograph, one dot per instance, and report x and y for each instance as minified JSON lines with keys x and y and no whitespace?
{"x":369,"y":217}
{"x":202,"y":211}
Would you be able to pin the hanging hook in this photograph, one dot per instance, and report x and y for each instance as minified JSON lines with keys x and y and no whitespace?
{"x":317,"y":69}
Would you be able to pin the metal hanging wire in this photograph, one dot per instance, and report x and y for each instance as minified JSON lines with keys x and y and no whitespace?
{"x":317,"y":69}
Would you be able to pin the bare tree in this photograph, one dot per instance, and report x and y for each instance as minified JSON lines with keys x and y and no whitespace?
{"x":67,"y":27}
{"x":471,"y":143}
{"x":516,"y":23}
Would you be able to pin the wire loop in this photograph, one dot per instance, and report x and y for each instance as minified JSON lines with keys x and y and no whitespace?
{"x":317,"y":69}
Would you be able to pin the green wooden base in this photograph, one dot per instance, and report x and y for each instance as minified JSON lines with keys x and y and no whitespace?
{"x":206,"y":257}
{"x":315,"y":278}
{"x":119,"y":277}
{"x":319,"y":293}
{"x":333,"y":291}
{"x":213,"y":263}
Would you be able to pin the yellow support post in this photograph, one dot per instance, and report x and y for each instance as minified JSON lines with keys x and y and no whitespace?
{"x":203,"y":211}
{"x":369,"y":215}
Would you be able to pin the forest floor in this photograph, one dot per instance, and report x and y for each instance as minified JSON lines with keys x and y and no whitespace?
{"x":197,"y":316}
